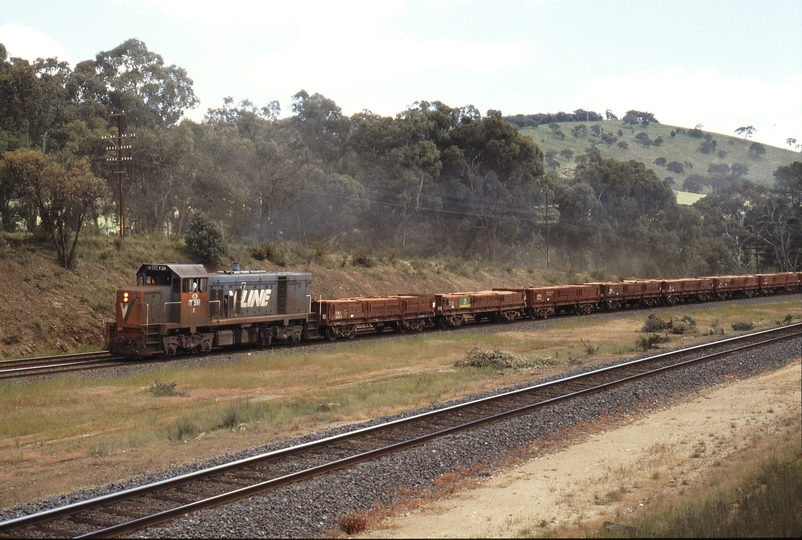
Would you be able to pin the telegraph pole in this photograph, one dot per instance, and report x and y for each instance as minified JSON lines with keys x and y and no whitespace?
{"x":548,"y":233}
{"x":118,"y":146}
{"x":546,"y":219}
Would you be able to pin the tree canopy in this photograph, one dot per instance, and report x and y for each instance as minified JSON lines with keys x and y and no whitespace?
{"x":435,"y":179}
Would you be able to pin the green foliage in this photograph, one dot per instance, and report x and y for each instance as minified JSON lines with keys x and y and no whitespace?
{"x":590,"y":348}
{"x":274,"y":252}
{"x":498,"y":359}
{"x":205,"y":241}
{"x":432,"y":180}
{"x":743,"y":326}
{"x":683,"y":325}
{"x":654,"y":324}
{"x":361,"y":257}
{"x":651,"y":341}
{"x":184,"y":428}
{"x":160,"y":389}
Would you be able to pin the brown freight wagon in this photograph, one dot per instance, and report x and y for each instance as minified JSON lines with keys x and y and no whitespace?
{"x":345,"y":317}
{"x":736,"y":286}
{"x":453,"y":309}
{"x":623,"y":294}
{"x":775,"y":283}
{"x":688,"y":289}
{"x":545,"y":301}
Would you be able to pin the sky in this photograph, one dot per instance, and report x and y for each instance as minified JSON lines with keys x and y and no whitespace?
{"x":720,"y":63}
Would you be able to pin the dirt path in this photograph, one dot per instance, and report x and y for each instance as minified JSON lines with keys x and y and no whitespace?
{"x":657,"y":459}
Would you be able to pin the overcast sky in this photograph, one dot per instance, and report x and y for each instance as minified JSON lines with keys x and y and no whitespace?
{"x":723,"y":64}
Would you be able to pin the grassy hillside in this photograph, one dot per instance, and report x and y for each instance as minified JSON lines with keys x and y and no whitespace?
{"x":682,"y":147}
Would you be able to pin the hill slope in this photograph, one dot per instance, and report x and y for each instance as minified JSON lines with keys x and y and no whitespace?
{"x":683,"y":147}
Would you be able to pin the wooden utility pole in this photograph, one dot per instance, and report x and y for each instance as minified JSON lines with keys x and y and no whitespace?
{"x":548,"y":233}
{"x":118,"y":142}
{"x":546,"y":219}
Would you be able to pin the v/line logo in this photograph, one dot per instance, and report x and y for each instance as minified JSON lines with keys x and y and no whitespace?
{"x":126,"y":308}
{"x":255,"y":298}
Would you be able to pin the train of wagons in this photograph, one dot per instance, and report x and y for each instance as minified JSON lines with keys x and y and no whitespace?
{"x":180,"y":308}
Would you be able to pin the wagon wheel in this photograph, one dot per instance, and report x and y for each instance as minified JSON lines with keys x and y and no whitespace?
{"x":331,"y":333}
{"x":458,"y":319}
{"x":401,"y":327}
{"x":350,"y":332}
{"x":417,"y":325}
{"x":509,"y":316}
{"x":442,"y":323}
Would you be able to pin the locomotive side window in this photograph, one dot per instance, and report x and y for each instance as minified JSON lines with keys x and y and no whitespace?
{"x":191,"y":285}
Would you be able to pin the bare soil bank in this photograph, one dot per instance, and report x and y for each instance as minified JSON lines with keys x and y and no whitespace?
{"x":611,"y":475}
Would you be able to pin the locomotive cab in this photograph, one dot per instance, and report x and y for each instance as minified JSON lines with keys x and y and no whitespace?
{"x":165,"y":298}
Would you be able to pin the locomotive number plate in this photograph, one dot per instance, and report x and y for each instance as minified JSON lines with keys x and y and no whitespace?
{"x":194,"y":302}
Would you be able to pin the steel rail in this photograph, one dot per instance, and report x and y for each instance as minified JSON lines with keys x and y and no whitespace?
{"x":38,"y":360}
{"x":222,"y":498}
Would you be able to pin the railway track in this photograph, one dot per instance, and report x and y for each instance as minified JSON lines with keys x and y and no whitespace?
{"x":147,"y":505}
{"x":51,"y":365}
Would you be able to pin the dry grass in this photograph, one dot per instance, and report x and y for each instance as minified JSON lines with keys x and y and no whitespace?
{"x":60,"y":427}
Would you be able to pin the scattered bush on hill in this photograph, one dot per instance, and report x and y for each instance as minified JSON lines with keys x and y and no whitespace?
{"x":204,"y":240}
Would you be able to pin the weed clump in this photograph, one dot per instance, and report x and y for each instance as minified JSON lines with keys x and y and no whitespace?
{"x":654,"y":324}
{"x":683,"y":325}
{"x":361,"y":257}
{"x":183,"y":429}
{"x":651,"y":341}
{"x":352,"y":523}
{"x":160,"y":389}
{"x":478,"y":357}
{"x":743,"y":326}
{"x":589,"y":347}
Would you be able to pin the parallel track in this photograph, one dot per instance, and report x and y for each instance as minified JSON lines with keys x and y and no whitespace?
{"x":148,"y":505}
{"x":51,"y":365}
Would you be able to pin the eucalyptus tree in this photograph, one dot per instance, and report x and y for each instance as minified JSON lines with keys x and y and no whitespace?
{"x":491,"y":170}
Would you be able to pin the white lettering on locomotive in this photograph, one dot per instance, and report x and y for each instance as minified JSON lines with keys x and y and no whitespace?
{"x":255,"y":298}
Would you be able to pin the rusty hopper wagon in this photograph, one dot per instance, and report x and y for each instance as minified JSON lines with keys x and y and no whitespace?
{"x":736,"y":286}
{"x":183,"y":308}
{"x":346,"y":317}
{"x":688,"y":290}
{"x":776,"y":283}
{"x":622,"y":294}
{"x":454,"y":309}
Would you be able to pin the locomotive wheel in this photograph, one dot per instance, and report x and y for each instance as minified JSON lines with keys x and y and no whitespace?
{"x":331,"y":333}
